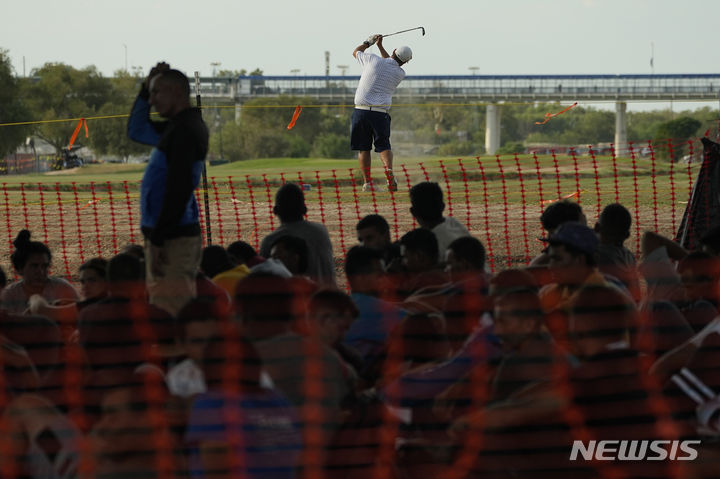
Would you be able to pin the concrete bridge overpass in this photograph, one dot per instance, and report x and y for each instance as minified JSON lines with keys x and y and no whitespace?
{"x":492,"y":90}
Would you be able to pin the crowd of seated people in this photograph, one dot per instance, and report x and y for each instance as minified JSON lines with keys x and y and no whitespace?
{"x":429,"y":365}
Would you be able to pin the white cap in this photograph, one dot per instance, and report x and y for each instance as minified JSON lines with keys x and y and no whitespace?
{"x":272,"y":266}
{"x":403,"y":53}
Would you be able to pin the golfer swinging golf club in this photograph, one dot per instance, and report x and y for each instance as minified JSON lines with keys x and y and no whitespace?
{"x":371,"y":120}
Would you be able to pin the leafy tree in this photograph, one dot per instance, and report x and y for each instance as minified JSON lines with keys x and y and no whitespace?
{"x":275,"y":114}
{"x":333,"y":139}
{"x":678,"y":131}
{"x":552,"y":131}
{"x":591,"y":127}
{"x":11,"y":108}
{"x":232,"y":73}
{"x":338,"y":124}
{"x":252,"y":140}
{"x":109,"y":135}
{"x":298,"y":147}
{"x":642,"y":126}
{"x":233,"y":147}
{"x":331,"y":145}
{"x":459,"y":148}
{"x":410,"y":118}
{"x":263,"y":133}
{"x":511,"y":147}
{"x":59,"y":91}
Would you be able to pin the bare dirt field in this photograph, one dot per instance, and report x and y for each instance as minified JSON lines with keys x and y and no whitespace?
{"x":82,"y":229}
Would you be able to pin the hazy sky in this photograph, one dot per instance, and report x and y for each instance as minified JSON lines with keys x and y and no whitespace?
{"x":277,"y":36}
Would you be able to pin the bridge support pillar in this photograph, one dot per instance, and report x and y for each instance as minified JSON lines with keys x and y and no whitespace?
{"x":621,"y":144}
{"x":492,"y":128}
{"x":238,"y":112}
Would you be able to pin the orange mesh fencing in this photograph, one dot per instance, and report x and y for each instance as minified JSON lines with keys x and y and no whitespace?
{"x":430,"y":406}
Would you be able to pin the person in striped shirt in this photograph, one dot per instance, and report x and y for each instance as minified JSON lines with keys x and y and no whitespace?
{"x":371,"y":119}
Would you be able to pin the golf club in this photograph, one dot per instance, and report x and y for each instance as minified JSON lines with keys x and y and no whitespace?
{"x":408,"y":30}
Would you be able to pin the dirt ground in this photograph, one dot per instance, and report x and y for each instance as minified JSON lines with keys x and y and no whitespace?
{"x":78,"y":231}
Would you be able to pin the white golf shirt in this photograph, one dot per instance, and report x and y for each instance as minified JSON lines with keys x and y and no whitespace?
{"x":379,"y":78}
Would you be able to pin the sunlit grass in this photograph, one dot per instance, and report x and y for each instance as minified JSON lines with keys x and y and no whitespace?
{"x":599,"y":180}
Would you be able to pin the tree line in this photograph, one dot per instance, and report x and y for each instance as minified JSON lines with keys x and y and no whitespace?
{"x":59,"y":91}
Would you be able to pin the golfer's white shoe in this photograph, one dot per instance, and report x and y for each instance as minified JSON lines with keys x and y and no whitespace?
{"x":369,"y":186}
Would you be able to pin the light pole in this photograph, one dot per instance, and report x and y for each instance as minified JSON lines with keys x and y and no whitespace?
{"x":652,"y":58}
{"x":343,"y":69}
{"x":295,"y":72}
{"x":125,"y":46}
{"x":474,"y":71}
{"x":214,"y":65}
{"x":218,"y":127}
{"x":475,"y":114}
{"x":652,"y":65}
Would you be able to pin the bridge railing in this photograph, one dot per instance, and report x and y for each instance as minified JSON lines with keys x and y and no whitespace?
{"x":478,"y":87}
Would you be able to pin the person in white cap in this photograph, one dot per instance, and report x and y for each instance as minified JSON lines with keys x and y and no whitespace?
{"x":371,"y":119}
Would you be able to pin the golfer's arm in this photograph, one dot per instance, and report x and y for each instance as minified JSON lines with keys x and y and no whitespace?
{"x":383,"y":52}
{"x":360,"y":48}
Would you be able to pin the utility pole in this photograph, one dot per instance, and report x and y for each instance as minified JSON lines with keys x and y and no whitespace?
{"x":343,"y":69}
{"x":214,"y":72}
{"x":327,"y":69}
{"x":218,"y":125}
{"x":652,"y":58}
{"x":295,"y":72}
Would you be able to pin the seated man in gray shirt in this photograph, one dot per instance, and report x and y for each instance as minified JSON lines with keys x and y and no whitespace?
{"x":290,"y":208}
{"x":613,"y":228}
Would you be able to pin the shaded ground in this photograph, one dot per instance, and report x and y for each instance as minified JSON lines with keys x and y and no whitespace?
{"x":78,"y":231}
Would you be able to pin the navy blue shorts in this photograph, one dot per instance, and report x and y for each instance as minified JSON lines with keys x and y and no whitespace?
{"x":370,"y":127}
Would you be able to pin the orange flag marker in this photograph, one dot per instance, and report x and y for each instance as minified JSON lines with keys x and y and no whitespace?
{"x":295,"y":116}
{"x":81,"y":123}
{"x":574,"y":196}
{"x":550,"y":115}
{"x":91,"y":202}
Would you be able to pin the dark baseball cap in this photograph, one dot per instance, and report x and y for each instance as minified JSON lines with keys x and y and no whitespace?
{"x":575,"y":235}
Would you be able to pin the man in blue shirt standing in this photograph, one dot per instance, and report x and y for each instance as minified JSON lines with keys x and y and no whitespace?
{"x":169,"y":210}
